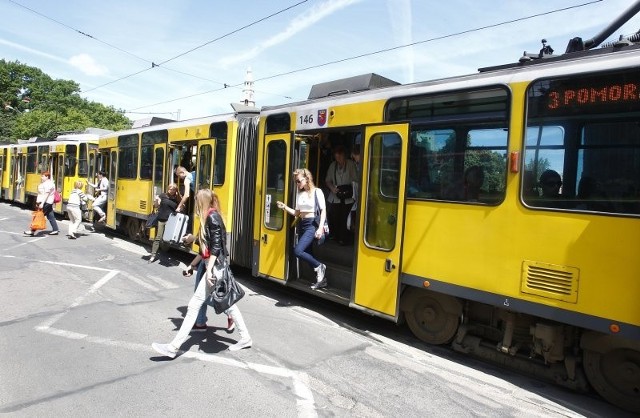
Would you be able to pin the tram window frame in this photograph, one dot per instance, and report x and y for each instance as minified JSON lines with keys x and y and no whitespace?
{"x":600,"y":172}
{"x":451,"y":117}
{"x":128,"y":146}
{"x":70,"y":159}
{"x":149,"y":139}
{"x":275,"y":169}
{"x":32,"y":159}
{"x":83,"y":157}
{"x":219,"y":131}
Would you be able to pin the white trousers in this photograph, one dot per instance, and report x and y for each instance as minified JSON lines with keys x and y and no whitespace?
{"x":75,"y":218}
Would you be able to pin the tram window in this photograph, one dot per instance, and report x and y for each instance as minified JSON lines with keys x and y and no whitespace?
{"x":382,"y":194}
{"x":204,"y":167}
{"x":70,"y":160}
{"x":43,"y":160}
{"x":584,"y":128}
{"x":83,"y":168}
{"x":219,"y":132}
{"x":32,"y":159}
{"x":220,"y":166}
{"x":128,"y":156}
{"x":158,"y":176}
{"x":278,"y":123}
{"x":149,"y":139}
{"x":276,"y":171}
{"x":461,"y":164}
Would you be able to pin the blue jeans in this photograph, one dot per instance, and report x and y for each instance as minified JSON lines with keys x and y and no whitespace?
{"x":304,"y":248}
{"x":201,"y":319}
{"x":47,"y":209}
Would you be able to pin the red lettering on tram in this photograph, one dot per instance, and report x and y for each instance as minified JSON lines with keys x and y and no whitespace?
{"x":614,"y":93}
{"x":630,"y":92}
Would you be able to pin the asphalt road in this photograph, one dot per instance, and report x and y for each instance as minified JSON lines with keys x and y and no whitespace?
{"x":77,"y":319}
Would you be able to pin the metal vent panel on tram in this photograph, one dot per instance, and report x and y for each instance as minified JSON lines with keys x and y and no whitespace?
{"x":550,"y":281}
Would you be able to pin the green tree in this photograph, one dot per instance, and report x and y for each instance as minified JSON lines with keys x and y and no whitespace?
{"x":33,"y":104}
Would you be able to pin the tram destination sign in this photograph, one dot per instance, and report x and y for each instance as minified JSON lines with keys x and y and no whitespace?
{"x":579,"y":95}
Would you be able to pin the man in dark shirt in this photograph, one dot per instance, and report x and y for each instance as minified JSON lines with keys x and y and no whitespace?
{"x":167,"y":203}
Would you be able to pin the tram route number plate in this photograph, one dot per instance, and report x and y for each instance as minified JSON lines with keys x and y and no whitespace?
{"x":312,"y":118}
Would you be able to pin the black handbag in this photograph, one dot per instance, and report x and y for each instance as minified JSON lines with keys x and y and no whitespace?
{"x":152,"y":220}
{"x":345,"y":191}
{"x":226,"y":291}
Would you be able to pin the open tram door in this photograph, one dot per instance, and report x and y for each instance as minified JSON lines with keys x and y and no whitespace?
{"x":112,"y":173}
{"x":379,"y":245}
{"x":274,"y":225}
{"x":19,"y":176}
{"x":57,"y":175}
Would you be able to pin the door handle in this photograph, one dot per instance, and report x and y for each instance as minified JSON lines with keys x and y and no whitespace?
{"x":388,"y":265}
{"x":264,"y":238}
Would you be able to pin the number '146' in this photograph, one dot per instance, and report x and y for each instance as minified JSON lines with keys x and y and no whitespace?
{"x":306,"y":119}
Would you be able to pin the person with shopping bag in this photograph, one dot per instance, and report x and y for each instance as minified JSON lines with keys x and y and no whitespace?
{"x":211,"y":239}
{"x":44,"y":201}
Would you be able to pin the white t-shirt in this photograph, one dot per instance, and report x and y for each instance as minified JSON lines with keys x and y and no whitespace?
{"x":306,"y":202}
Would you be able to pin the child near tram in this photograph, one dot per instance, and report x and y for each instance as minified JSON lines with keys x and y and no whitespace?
{"x":212,"y":239}
{"x":308,"y":195}
{"x":77,"y":199}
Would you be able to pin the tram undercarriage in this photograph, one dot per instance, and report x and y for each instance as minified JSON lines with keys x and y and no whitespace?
{"x":563,"y":354}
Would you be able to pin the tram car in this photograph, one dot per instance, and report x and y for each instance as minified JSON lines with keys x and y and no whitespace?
{"x":140,"y":163}
{"x":497,"y":212}
{"x":67,"y":157}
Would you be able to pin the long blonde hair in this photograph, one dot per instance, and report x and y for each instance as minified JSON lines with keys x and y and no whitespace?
{"x":307,"y":175}
{"x":205,"y":199}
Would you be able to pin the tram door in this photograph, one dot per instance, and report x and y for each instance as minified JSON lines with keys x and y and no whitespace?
{"x":20,"y":178}
{"x":58,"y":176}
{"x":384,"y":156}
{"x":274,"y":226}
{"x":111,"y":194}
{"x":204,"y":176}
{"x":13,"y":178}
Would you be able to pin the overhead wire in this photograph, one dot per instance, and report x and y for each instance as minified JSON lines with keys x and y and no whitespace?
{"x":161,"y":63}
{"x":380,"y":51}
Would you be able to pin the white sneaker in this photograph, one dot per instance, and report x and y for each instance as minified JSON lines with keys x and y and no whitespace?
{"x":320,"y":270}
{"x":165,"y":350}
{"x":246,"y":343}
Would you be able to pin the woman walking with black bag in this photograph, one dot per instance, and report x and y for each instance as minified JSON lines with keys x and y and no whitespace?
{"x":212,"y":239}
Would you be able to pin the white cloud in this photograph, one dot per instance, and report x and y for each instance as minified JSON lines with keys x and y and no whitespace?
{"x":300,"y":23}
{"x":30,"y":50}
{"x":86,"y":64}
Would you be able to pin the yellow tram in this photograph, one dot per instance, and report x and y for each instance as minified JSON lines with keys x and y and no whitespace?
{"x":545,"y":283}
{"x":68,"y":158}
{"x":141,"y":162}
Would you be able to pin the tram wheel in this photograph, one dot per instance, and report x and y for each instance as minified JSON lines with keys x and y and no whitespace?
{"x":133,"y":229}
{"x":615,"y":375}
{"x":432,"y":317}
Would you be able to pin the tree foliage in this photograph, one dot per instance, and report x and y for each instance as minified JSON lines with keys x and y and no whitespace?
{"x":34,"y":104}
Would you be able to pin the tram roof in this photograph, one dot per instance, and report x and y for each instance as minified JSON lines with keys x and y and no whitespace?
{"x":205,"y":120}
{"x":575,"y":63}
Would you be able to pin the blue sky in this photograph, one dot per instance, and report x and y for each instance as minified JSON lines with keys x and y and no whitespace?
{"x":130,"y":35}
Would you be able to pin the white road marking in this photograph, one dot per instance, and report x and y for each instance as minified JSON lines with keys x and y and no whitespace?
{"x":164,"y":283}
{"x":139,"y":281}
{"x":305,"y":402}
